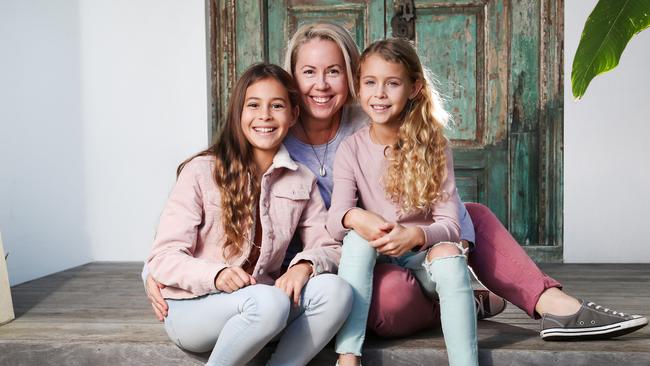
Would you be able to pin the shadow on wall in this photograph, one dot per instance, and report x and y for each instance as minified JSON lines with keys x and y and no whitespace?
{"x":42,"y":195}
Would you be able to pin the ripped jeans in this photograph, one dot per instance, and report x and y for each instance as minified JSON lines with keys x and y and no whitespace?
{"x":446,"y":278}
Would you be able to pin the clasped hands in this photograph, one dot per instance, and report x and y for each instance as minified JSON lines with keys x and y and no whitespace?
{"x":388,"y":238}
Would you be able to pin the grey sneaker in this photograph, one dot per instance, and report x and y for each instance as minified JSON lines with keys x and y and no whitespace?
{"x":590,"y":322}
{"x":488,"y":304}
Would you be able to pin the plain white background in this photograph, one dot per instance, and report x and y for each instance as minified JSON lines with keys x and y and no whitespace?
{"x":100,"y":100}
{"x":607,"y":153}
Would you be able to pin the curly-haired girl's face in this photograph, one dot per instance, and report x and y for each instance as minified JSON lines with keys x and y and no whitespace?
{"x":384,"y":90}
{"x":267,"y":115}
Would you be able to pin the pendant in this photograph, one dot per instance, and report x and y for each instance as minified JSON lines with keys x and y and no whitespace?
{"x":322,"y":171}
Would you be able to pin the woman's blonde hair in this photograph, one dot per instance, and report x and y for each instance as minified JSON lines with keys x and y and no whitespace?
{"x":235,"y":170}
{"x":417,"y":168}
{"x":325,"y":31}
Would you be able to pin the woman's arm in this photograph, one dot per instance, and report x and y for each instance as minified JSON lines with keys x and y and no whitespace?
{"x":172,"y":260}
{"x":467,"y":234}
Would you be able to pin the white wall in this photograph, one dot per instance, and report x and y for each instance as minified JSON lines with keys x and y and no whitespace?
{"x":99,"y":101}
{"x":607,"y":151}
{"x":145,"y":111}
{"x":42,"y":179}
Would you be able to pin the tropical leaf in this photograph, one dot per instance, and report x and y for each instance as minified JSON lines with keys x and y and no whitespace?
{"x":608,"y":29}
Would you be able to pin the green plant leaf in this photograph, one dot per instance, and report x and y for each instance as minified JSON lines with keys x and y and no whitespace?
{"x":608,"y":29}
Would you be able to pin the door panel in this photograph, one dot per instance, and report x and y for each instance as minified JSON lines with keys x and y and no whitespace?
{"x":498,"y":63}
{"x":446,"y":38}
{"x":452,"y":38}
{"x":364,"y":19}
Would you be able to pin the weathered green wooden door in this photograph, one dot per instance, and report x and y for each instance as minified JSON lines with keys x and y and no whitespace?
{"x":497,"y":62}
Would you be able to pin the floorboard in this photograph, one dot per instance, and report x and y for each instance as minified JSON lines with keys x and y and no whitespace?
{"x":97,"y":314}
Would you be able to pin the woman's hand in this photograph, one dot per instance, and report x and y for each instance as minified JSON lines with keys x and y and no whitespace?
{"x":399,"y":240}
{"x":156,"y":299}
{"x":292,"y":281}
{"x":232,"y":279}
{"x":367,"y":224}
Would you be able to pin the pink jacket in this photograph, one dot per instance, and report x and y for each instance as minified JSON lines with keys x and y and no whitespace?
{"x":187,"y":252}
{"x":359,"y":168}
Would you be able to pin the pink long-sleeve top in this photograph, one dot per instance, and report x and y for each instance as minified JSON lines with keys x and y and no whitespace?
{"x":187,"y":253}
{"x":359,"y":168}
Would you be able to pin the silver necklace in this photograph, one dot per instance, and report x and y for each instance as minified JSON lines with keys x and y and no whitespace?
{"x":322,"y":171}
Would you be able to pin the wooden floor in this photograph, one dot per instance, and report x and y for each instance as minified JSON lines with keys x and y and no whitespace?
{"x":97,"y":314}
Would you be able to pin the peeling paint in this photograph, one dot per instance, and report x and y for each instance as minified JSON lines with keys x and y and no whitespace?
{"x":499,"y":63}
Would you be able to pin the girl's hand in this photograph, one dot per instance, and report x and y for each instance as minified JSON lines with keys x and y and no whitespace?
{"x":232,"y":279}
{"x":158,"y":303}
{"x":292,"y":281}
{"x":399,"y":240}
{"x":367,"y":224}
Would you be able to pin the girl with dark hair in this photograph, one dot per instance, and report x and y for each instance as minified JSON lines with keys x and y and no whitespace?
{"x":225,"y":229}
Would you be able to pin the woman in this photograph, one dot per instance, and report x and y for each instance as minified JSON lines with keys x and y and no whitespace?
{"x":323,"y":59}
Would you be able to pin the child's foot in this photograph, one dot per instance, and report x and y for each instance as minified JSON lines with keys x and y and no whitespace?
{"x":590,"y":322}
{"x":488,"y":304}
{"x":348,"y":359}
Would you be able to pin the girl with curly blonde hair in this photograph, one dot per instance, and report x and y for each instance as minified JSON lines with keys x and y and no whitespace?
{"x":394,"y":187}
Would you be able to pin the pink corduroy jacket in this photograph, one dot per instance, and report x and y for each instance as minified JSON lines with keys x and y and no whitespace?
{"x":187,"y":253}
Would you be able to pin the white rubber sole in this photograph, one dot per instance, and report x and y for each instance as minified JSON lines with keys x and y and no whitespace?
{"x":604,"y":331}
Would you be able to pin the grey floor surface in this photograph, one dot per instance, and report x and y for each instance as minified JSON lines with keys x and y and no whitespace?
{"x":97,"y":314}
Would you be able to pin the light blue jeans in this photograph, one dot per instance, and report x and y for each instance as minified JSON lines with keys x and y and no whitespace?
{"x":236,"y":326}
{"x":446,"y":278}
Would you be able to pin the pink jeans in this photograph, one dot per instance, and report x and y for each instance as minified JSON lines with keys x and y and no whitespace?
{"x":399,"y":307}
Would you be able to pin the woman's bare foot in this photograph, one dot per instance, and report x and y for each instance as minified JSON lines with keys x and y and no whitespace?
{"x":348,"y":359}
{"x":555,"y":301}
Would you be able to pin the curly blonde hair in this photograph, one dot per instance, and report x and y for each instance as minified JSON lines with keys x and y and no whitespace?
{"x":234,"y":171}
{"x":417,"y":168}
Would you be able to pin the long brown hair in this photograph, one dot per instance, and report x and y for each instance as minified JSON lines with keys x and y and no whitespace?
{"x":234,"y":171}
{"x":417,"y":168}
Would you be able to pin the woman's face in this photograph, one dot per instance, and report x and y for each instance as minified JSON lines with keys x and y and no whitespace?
{"x":267,"y":115}
{"x":322,"y":78}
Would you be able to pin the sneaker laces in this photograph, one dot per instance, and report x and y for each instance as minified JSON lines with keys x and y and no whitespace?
{"x":603,"y":309}
{"x":480,"y":306}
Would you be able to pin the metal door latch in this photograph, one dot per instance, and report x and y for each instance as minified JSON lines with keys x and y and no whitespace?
{"x":403,"y":22}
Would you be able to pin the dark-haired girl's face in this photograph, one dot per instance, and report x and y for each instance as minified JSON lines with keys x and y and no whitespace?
{"x":267,"y":115}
